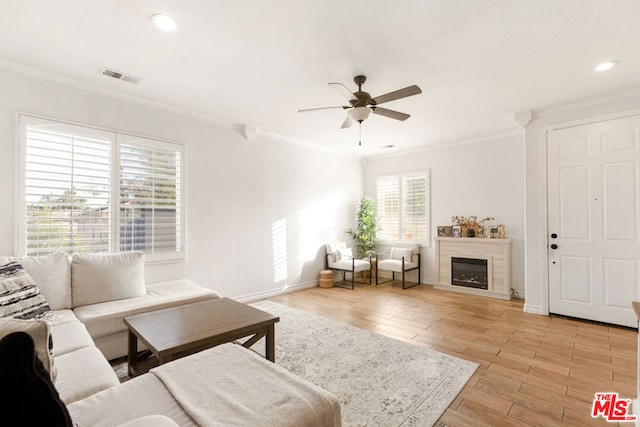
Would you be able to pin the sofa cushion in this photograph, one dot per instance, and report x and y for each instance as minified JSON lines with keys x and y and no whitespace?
{"x":62,"y":316}
{"x":106,"y":318}
{"x":70,"y":337}
{"x":20,"y":297}
{"x":139,"y":397}
{"x":40,"y":333}
{"x":97,"y":278}
{"x":82,"y":373}
{"x":52,"y":274}
{"x":151,"y":421}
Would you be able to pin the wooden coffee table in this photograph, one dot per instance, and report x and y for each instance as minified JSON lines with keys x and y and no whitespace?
{"x":179,"y":331}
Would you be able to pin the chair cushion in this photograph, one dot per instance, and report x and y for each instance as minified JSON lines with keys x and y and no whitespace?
{"x":20,"y":297}
{"x":332,"y":248}
{"x":395,"y":265}
{"x":99,"y":278}
{"x":399,"y":253}
{"x":344,"y":254}
{"x":358,"y":265}
{"x":52,"y":274}
{"x":332,"y":252}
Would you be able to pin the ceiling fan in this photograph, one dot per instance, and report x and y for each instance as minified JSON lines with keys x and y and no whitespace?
{"x":362,"y":104}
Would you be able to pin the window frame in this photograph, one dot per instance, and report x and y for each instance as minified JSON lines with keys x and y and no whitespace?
{"x":426,"y":242}
{"x":119,"y":137}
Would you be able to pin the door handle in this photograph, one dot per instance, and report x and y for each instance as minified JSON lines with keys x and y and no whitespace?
{"x":554,"y":236}
{"x":554,"y":246}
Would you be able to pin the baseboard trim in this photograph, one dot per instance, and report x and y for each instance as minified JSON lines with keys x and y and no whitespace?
{"x":534,"y":309}
{"x":278,"y":291}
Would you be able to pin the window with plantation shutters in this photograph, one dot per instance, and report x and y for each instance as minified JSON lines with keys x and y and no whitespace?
{"x":149,"y":196}
{"x":403,"y":207}
{"x":90,"y":190}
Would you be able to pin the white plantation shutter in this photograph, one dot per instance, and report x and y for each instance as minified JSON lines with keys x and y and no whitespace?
{"x":150,"y":196}
{"x":66,"y":189}
{"x":414,"y":208}
{"x":403,"y":207}
{"x":388,"y":208}
{"x":90,"y":190}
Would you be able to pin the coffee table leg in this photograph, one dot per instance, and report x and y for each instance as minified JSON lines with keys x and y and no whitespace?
{"x":270,"y":350}
{"x":132,"y":357}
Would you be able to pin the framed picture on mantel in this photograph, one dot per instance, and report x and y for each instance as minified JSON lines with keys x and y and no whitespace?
{"x":444,"y":231}
{"x":456,"y":231}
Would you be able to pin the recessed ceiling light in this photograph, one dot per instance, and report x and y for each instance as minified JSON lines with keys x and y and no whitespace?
{"x":164,"y":22}
{"x":606,"y":66}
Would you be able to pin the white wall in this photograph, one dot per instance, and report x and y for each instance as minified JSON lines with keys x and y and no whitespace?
{"x":536,"y":232}
{"x":483,"y":178}
{"x":240,"y":193}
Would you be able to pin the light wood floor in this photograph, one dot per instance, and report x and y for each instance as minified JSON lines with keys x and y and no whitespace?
{"x":534,"y":370}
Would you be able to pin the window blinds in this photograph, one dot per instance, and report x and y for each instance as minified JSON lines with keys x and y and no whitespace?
{"x":388,"y":208}
{"x":150,"y":201}
{"x":89,"y":190}
{"x":403,"y":207}
{"x":67,"y":191}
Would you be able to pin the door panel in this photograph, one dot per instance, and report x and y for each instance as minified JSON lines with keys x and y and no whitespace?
{"x":575,"y":221}
{"x":575,"y":279}
{"x":620,"y":282}
{"x":594,"y":207}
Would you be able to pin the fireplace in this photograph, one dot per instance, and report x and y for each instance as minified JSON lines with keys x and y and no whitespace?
{"x":494,"y":256}
{"x":470,"y":272}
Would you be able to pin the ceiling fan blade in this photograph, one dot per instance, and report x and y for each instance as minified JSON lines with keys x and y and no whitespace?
{"x":344,"y":91}
{"x":323,"y":108}
{"x":397,"y":94}
{"x":347,"y":123}
{"x":390,"y":113}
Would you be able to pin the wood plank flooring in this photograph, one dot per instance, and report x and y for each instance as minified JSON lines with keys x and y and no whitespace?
{"x":534,"y":370}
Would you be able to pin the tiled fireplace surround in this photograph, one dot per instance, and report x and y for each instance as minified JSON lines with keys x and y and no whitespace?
{"x":497,"y":253}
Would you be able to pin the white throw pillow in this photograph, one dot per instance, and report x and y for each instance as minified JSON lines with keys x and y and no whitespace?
{"x":333,"y":248}
{"x":345,"y":254}
{"x":106,"y":277}
{"x":398,"y":253}
{"x":52,"y":274}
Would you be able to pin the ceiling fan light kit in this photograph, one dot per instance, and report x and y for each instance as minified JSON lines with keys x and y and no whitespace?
{"x":359,"y":113}
{"x":362,"y":104}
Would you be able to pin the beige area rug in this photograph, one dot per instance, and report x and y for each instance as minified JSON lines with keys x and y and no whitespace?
{"x":379,"y":381}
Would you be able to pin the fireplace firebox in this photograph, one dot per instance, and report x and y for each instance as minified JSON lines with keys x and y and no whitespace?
{"x":470,"y":272}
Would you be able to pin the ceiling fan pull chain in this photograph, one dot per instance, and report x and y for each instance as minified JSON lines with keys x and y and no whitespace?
{"x":360,"y":133}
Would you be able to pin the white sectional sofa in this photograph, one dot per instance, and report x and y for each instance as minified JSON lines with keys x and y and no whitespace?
{"x":90,"y":295}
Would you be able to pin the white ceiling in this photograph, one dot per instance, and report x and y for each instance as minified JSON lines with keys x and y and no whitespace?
{"x":257,"y":62}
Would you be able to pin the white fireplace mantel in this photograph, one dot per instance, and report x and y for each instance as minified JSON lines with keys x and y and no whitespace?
{"x":497,"y":252}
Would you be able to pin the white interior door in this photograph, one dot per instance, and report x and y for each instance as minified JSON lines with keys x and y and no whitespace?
{"x":594,"y":249}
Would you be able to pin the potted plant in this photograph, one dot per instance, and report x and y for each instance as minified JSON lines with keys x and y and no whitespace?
{"x":364,"y":235}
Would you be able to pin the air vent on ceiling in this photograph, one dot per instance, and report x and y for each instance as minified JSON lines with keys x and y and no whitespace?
{"x":120,"y":76}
